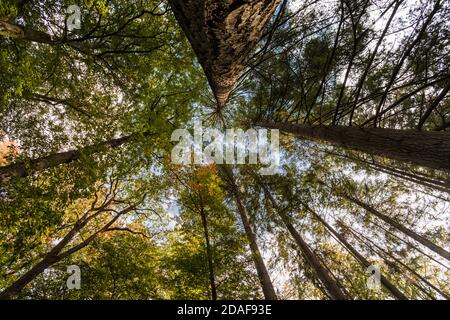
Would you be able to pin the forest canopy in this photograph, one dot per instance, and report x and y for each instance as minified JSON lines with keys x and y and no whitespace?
{"x":353,"y":96}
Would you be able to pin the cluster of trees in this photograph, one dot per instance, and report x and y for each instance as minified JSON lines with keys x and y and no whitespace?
{"x":359,"y":90}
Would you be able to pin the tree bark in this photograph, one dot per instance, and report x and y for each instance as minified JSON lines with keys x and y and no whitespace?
{"x":263,"y":275}
{"x":325,"y":277}
{"x":22,"y":32}
{"x":422,"y":240}
{"x":25,"y":168}
{"x":223,"y":35}
{"x":425,"y":148}
{"x":387,"y":284}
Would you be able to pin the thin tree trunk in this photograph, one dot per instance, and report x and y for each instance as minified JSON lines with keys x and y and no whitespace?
{"x":25,"y":168}
{"x":433,"y":106}
{"x":50,"y":258}
{"x":388,"y":285}
{"x":325,"y":277}
{"x":422,"y":240}
{"x":369,"y":243}
{"x":223,"y":35}
{"x":29,"y":276}
{"x":263,"y":275}
{"x":406,"y":52}
{"x":208,"y":254}
{"x":409,"y":244}
{"x":425,"y":148}
{"x":371,"y":59}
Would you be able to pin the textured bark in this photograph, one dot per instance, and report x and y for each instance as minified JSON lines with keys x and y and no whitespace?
{"x":425,"y":148}
{"x":263,"y":275}
{"x":223,"y":34}
{"x":427,"y":243}
{"x":387,"y":284}
{"x":325,"y":277}
{"x":21,"y":32}
{"x":25,"y":168}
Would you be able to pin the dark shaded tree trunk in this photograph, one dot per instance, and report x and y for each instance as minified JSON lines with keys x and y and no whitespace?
{"x":422,"y":240}
{"x":223,"y":34}
{"x":208,"y":254}
{"x":425,"y":148}
{"x":387,"y":284}
{"x":25,"y":168}
{"x":50,"y":258}
{"x":263,"y":275}
{"x":323,"y":274}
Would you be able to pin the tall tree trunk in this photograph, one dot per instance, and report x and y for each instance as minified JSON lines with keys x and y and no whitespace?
{"x":263,"y":275}
{"x":208,"y":253}
{"x":223,"y":35}
{"x":25,"y":168}
{"x":388,"y":285}
{"x":322,"y":273}
{"x":422,"y":240}
{"x":425,"y":148}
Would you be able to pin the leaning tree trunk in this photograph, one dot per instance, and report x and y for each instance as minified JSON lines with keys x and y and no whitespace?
{"x":422,"y":240}
{"x":387,"y":284}
{"x":25,"y":168}
{"x":425,"y":148}
{"x":223,"y":34}
{"x":52,"y":257}
{"x":21,"y":32}
{"x":323,"y":274}
{"x":263,"y":275}
{"x":29,"y":276}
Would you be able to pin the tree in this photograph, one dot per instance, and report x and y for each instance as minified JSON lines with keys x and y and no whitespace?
{"x":360,"y":90}
{"x":429,"y":149}
{"x":264,"y":277}
{"x":60,"y":251}
{"x":223,"y":35}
